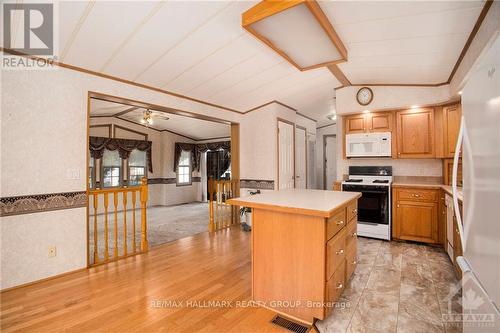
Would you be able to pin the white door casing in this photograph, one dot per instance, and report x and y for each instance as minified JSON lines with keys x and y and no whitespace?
{"x":300,"y":158}
{"x":330,"y":162}
{"x":286,"y":173}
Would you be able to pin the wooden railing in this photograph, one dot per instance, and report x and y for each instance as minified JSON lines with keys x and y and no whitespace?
{"x":99,"y":210}
{"x":222,"y":214}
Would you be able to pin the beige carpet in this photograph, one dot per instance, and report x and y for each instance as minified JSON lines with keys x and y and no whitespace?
{"x":165,"y":224}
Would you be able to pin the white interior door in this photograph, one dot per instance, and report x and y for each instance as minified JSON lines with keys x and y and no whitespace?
{"x":311,"y":161}
{"x":300,"y":158}
{"x":285,"y":155}
{"x":330,"y":158}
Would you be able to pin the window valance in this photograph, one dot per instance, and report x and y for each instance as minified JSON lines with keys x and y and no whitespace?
{"x":97,"y":145}
{"x":196,"y":150}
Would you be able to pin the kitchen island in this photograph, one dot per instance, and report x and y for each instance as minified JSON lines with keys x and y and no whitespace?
{"x":304,"y":246}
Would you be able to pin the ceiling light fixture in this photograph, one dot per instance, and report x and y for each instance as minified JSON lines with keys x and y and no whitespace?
{"x":414,"y":106}
{"x":332,"y":116}
{"x":298,"y":30}
{"x":366,"y":111}
{"x":147,"y":118}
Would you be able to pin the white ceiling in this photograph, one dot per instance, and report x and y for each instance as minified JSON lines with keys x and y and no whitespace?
{"x":198,"y":48}
{"x":193,"y":128}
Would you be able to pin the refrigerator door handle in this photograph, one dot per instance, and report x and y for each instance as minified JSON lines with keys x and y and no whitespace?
{"x":454,"y":182}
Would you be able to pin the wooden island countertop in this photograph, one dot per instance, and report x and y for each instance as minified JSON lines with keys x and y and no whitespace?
{"x":303,"y":249}
{"x":306,"y":202}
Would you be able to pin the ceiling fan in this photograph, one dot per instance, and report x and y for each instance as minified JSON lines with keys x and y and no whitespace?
{"x":148,"y":116}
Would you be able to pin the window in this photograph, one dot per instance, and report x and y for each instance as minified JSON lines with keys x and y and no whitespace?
{"x":91,"y":172}
{"x":111,"y":169}
{"x":184,"y":169}
{"x":136,"y":167}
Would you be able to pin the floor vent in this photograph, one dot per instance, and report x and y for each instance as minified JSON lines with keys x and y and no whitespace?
{"x":290,"y":325}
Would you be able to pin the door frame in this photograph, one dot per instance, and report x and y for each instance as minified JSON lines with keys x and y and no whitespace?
{"x":278,"y":149}
{"x":324,"y":156}
{"x":305,"y":150}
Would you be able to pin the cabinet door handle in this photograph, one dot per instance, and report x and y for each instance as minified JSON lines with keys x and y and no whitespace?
{"x":354,"y":234}
{"x":340,"y":222}
{"x":354,"y":262}
{"x":354,"y":211}
{"x":339,"y":252}
{"x":398,"y":205}
{"x":339,"y":285}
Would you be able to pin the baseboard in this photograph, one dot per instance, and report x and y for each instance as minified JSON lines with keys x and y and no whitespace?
{"x":42,"y":280}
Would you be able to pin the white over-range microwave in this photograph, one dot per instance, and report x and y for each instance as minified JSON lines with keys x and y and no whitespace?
{"x":368,"y":145}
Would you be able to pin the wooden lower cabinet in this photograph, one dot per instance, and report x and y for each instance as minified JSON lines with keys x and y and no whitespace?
{"x":415,"y":215}
{"x":335,"y":252}
{"x":334,"y":287}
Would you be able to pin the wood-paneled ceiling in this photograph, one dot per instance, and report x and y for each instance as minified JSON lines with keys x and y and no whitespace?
{"x":192,"y":128}
{"x":199,"y":49}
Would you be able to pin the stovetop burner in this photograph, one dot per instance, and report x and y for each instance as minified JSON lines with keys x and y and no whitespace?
{"x":354,"y":180}
{"x":381,"y":181}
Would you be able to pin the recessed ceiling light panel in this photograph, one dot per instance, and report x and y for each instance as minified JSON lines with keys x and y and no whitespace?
{"x":297,"y":30}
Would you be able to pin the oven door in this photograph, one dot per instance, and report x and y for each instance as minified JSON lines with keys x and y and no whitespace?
{"x":373,"y":206}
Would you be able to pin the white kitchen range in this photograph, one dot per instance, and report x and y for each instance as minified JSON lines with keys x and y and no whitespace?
{"x":374,"y":206}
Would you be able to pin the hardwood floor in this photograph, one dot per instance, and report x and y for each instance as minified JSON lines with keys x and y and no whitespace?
{"x":132,"y":295}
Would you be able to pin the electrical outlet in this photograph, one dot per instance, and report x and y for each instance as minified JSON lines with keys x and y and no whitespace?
{"x":52,"y":251}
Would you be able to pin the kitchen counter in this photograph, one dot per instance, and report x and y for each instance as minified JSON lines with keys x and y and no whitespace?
{"x":306,"y":202}
{"x":304,"y":245}
{"x":435,"y":183}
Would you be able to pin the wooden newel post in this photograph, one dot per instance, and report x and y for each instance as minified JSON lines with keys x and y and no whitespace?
{"x":144,"y":200}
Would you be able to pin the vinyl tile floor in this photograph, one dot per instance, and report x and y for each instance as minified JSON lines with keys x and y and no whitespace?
{"x":397,"y":287}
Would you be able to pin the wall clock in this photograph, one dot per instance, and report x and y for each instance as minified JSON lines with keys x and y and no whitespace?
{"x":364,"y":96}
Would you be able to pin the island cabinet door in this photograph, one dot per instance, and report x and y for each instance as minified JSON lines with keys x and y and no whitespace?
{"x":335,"y":253}
{"x":334,"y":287}
{"x":351,"y":239}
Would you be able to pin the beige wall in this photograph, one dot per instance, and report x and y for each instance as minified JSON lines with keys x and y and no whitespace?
{"x":44,"y":122}
{"x":258,"y":140}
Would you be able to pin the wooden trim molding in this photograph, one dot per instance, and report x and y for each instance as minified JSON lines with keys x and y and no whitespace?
{"x":103,"y":125}
{"x":145,"y":135}
{"x":326,"y":126}
{"x":37,"y":203}
{"x":335,"y":70}
{"x":480,"y":19}
{"x":144,"y":86}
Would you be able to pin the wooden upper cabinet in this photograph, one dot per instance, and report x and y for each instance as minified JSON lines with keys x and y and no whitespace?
{"x":415,"y":133}
{"x":355,"y":124}
{"x":379,"y":122}
{"x":369,"y":122}
{"x":452,"y":115}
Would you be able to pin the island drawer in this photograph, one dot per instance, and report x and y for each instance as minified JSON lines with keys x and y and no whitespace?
{"x":351,"y":260}
{"x":351,"y":234}
{"x":335,"y":286}
{"x":416,"y":194}
{"x":335,"y":223}
{"x":335,"y":253}
{"x":352,"y":211}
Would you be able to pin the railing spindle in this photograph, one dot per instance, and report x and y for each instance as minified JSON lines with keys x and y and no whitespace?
{"x":115,"y":201}
{"x":125,"y":223}
{"x":106,"y":250}
{"x":133,"y":219}
{"x":96,"y":255}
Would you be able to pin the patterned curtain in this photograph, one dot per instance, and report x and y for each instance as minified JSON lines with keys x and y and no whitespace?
{"x":196,"y":151}
{"x":97,"y":145}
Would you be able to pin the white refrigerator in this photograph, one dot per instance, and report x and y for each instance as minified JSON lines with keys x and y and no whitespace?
{"x":480,"y":234}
